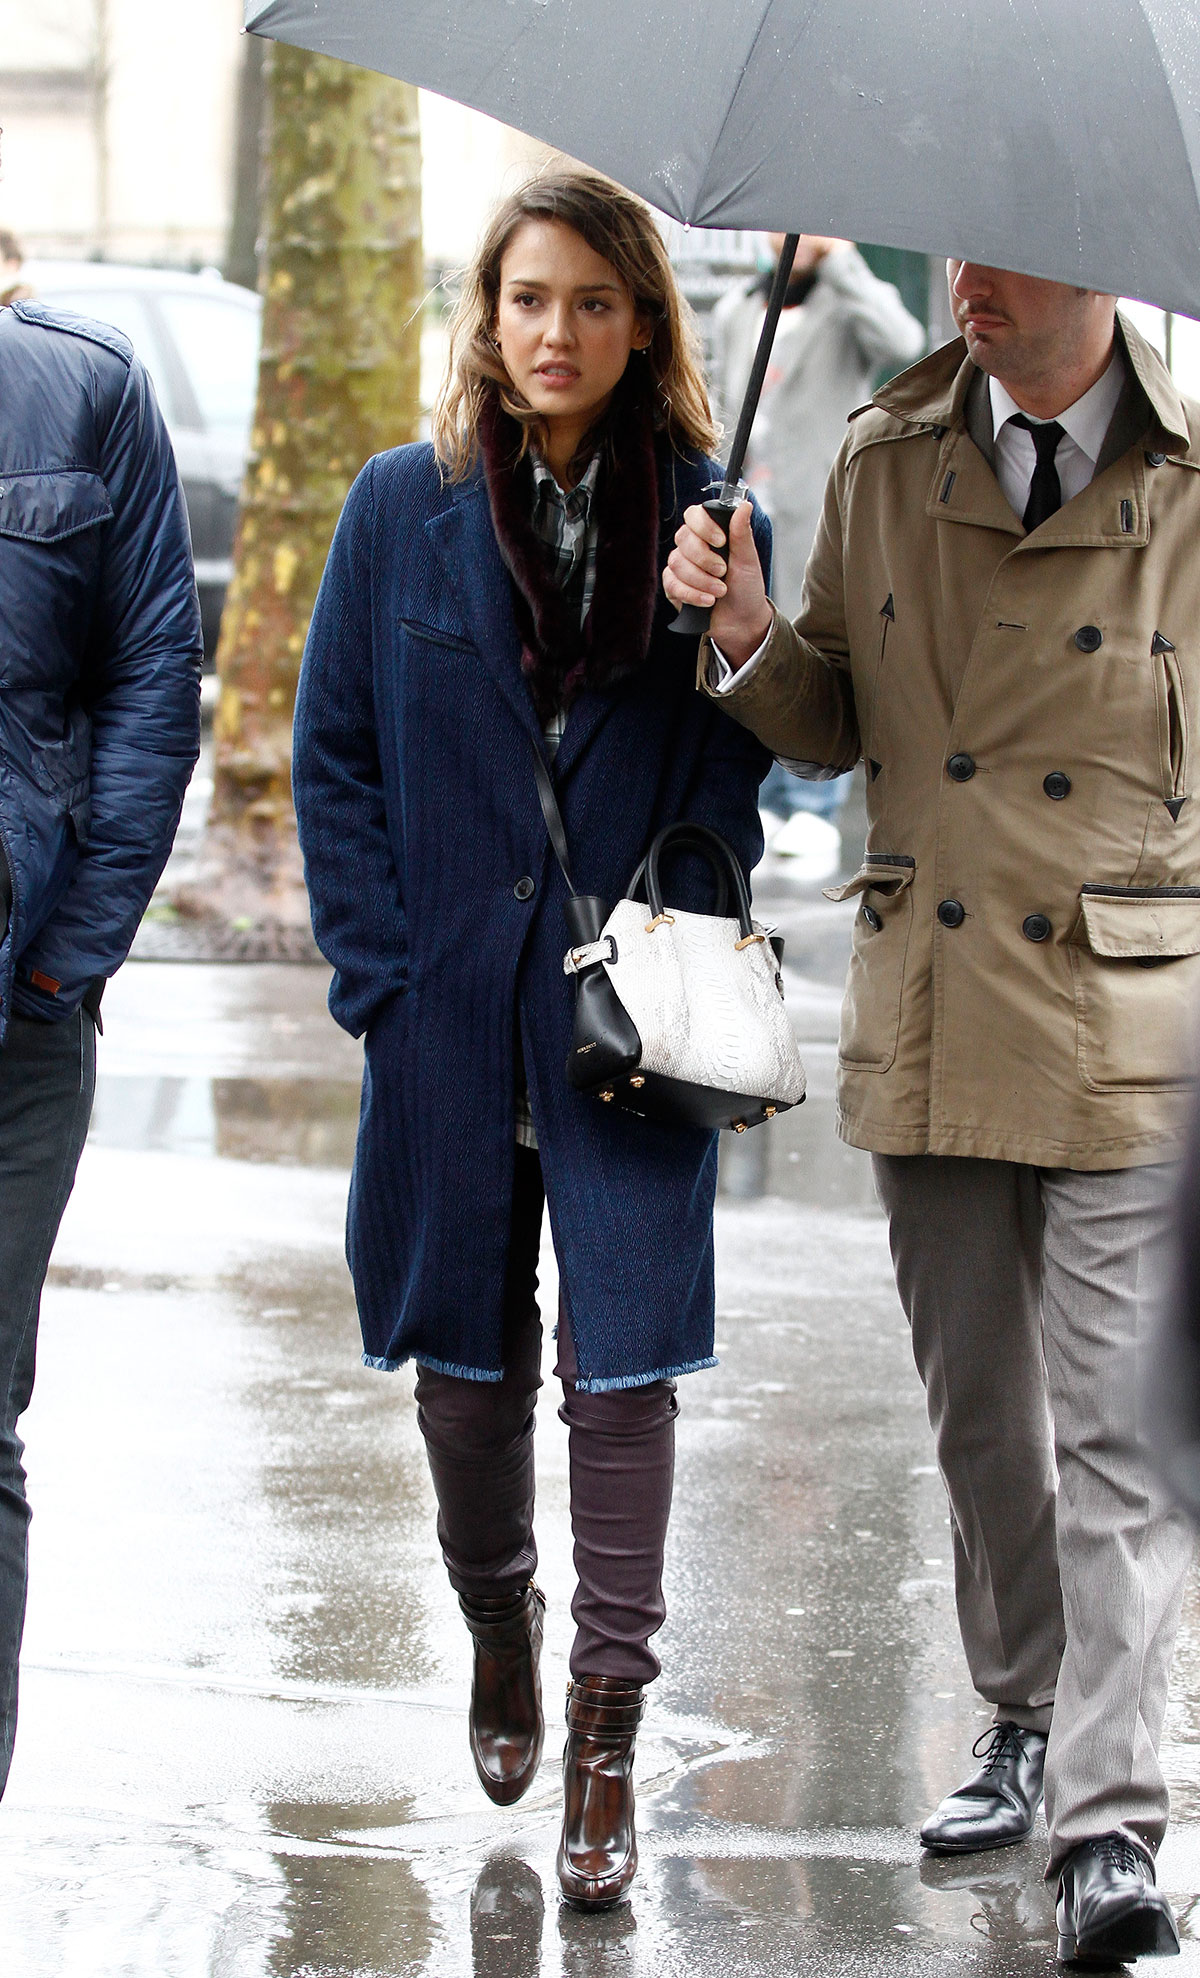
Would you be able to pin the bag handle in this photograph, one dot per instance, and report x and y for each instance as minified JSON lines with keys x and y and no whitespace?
{"x":720,"y":855}
{"x":716,"y":867}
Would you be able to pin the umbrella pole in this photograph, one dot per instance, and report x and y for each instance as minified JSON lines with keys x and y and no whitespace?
{"x":693,"y":618}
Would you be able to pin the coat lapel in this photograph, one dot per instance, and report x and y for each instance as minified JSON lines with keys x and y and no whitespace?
{"x":463,"y":537}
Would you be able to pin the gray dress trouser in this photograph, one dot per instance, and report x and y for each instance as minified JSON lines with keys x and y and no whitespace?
{"x":47,"y":1077}
{"x":1028,"y":1291}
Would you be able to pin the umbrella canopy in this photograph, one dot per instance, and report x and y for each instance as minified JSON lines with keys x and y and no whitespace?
{"x":1057,"y":137}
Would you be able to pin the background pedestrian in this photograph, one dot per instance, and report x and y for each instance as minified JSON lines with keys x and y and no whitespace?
{"x":841,"y":327}
{"x":99,"y":728}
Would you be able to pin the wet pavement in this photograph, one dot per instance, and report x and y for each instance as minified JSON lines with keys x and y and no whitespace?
{"x":242,"y":1750}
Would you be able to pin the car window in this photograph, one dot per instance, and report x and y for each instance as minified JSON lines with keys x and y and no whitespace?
{"x":218,"y":343}
{"x":127,"y":313}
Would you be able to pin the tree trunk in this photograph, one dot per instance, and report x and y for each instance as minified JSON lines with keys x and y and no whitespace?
{"x":338,"y":379}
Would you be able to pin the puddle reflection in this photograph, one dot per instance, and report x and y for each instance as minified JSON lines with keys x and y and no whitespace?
{"x":312,"y":1122}
{"x":799,"y":1157}
{"x":306,"y":1122}
{"x":507,"y":1914}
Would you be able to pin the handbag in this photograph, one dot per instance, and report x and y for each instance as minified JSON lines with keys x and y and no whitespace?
{"x":679,"y":1016}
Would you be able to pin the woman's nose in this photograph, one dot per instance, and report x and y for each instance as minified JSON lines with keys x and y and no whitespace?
{"x":559,"y":326}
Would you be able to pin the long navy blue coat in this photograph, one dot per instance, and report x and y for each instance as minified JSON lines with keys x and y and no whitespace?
{"x":419,"y":822}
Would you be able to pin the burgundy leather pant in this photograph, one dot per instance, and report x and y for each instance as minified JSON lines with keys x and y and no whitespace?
{"x":479,"y":1439}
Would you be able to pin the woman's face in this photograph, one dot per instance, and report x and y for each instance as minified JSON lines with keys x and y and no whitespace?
{"x":565,"y":324}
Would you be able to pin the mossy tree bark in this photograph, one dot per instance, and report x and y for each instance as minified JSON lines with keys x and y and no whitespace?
{"x":338,"y":380}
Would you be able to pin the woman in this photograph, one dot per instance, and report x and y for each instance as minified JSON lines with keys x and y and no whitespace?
{"x":491,"y":595}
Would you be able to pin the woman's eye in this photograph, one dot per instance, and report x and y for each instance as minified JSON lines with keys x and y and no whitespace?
{"x":525,"y":301}
{"x":595,"y":305}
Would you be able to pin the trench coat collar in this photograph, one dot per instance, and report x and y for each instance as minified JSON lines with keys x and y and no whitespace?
{"x":934,"y":392}
{"x":946,"y":394}
{"x":465,"y":539}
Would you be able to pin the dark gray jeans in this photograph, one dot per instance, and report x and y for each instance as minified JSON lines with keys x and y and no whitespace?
{"x":479,"y":1439}
{"x":47,"y":1078}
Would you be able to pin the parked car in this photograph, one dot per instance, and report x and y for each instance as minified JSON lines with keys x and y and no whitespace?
{"x":198,"y":337}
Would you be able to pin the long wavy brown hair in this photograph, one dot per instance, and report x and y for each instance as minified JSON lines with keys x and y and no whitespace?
{"x":617,"y":226}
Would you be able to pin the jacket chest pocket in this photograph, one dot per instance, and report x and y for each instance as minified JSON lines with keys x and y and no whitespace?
{"x":51,"y":506}
{"x":1135,"y":966}
{"x":52,"y":529}
{"x":870,"y":1026}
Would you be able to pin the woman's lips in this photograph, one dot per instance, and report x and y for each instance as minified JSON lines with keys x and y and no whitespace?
{"x":557,"y":374}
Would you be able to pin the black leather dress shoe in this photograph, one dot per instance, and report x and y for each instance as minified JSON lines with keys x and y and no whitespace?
{"x":999,"y":1805}
{"x":1108,"y":1907}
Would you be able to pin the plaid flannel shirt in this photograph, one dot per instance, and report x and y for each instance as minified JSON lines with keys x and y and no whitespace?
{"x":564,"y":523}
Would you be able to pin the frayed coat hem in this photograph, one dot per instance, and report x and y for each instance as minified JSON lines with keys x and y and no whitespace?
{"x":598,"y":1384}
{"x":383,"y":1365}
{"x":609,"y":1383}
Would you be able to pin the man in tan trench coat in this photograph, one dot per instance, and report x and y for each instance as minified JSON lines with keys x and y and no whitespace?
{"x":1002,"y":617}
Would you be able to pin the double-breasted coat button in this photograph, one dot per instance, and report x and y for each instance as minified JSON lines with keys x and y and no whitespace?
{"x":1156,"y":459}
{"x":872,"y":919}
{"x":1089,"y":638}
{"x":961,"y":768}
{"x":1035,"y":927}
{"x":1057,"y":785}
{"x":952,"y":913}
{"x":525,"y":888}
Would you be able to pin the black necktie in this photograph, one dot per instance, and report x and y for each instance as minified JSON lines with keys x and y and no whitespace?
{"x":1045,"y":489}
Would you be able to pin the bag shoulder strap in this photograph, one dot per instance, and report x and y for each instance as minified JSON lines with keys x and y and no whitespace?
{"x":555,"y":829}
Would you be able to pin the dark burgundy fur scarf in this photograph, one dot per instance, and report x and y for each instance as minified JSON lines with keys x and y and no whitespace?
{"x":559,"y":657}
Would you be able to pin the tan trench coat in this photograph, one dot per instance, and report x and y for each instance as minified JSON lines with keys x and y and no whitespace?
{"x":1026,"y":953}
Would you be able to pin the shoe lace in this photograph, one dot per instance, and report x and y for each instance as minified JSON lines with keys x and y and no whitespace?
{"x":1121,"y":1853}
{"x":994,"y":1746}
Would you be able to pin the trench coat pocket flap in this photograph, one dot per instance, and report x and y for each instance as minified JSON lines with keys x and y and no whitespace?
{"x":48,"y":506}
{"x":880,"y":872}
{"x":1132,"y":923}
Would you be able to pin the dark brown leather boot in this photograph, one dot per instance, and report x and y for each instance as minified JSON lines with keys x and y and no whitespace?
{"x":597,"y":1856}
{"x":506,"y":1695}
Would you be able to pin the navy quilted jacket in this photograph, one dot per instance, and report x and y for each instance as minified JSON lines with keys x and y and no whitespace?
{"x":100,"y":651}
{"x":437,"y":900}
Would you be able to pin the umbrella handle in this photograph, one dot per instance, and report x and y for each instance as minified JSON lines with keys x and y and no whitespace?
{"x":693,"y":618}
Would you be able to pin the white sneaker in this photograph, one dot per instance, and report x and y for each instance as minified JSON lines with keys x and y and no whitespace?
{"x":811,"y":845}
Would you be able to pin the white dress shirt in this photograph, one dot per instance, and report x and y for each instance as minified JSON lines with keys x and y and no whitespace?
{"x":1084,"y":426}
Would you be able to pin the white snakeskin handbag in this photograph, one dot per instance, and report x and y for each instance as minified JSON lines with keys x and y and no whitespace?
{"x":679,"y":1016}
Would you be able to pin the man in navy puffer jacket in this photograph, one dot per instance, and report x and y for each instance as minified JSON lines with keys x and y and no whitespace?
{"x":99,"y":729}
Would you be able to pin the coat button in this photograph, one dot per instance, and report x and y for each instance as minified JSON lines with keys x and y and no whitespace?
{"x":1089,"y":638}
{"x":1057,"y":785}
{"x":525,"y":888}
{"x":872,"y":919}
{"x":961,"y":767}
{"x":952,"y":913}
{"x":1035,"y":927}
{"x":1156,"y":459}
